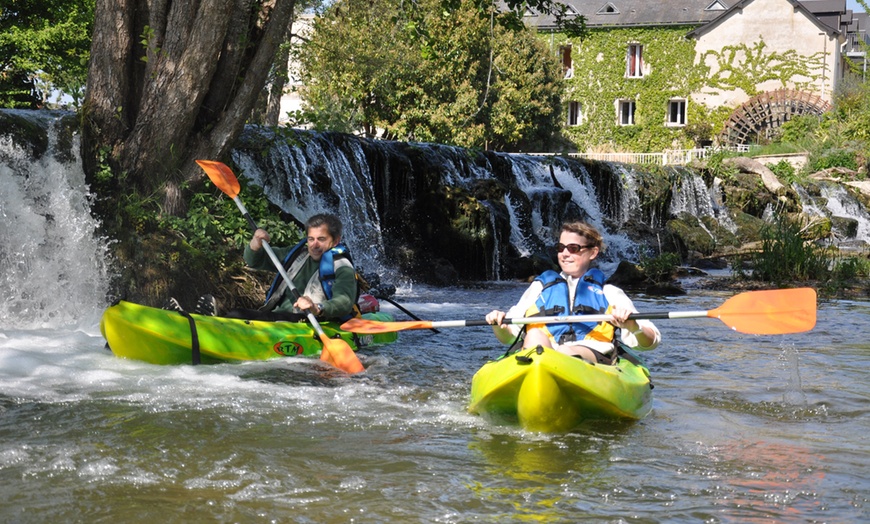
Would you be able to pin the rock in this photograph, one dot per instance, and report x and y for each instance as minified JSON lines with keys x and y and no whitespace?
{"x":628,"y":276}
{"x":665,"y":289}
{"x":749,"y":165}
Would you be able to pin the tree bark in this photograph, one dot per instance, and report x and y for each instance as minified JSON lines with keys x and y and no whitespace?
{"x":172,"y":82}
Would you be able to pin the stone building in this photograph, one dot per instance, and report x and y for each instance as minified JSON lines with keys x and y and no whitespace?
{"x":754,"y":64}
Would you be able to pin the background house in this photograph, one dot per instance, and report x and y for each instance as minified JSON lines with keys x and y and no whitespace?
{"x":681,"y":73}
{"x":677,"y":73}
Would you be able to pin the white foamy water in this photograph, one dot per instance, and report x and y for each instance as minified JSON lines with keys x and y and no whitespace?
{"x":53,"y":267}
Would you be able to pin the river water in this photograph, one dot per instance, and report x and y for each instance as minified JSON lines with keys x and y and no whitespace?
{"x":744,"y":429}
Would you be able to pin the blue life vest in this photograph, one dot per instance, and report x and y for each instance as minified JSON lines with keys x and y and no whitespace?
{"x":326,"y":271}
{"x":588,"y":299}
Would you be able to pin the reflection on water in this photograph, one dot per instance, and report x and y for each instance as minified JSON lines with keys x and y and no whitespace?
{"x":743,"y":428}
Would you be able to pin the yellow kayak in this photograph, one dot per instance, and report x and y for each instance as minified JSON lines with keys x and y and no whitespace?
{"x":547,"y":391}
{"x":162,"y":336}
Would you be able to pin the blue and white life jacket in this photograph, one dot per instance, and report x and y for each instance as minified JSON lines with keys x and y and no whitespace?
{"x":589,"y":299}
{"x":319,"y":288}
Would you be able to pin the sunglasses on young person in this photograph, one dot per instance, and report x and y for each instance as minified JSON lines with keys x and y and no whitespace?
{"x":572,"y":248}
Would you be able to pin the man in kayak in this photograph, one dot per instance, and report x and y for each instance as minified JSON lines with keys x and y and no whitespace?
{"x":579,"y":289}
{"x":320,"y":267}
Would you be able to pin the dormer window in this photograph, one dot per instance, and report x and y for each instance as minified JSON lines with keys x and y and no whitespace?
{"x":608,"y":9}
{"x":716,"y":6}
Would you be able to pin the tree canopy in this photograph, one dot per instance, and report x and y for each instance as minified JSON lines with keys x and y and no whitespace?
{"x":44,"y":47}
{"x":171,"y":82}
{"x":427,"y":74}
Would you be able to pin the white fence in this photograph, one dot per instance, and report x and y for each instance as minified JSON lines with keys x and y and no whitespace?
{"x":668,"y":157}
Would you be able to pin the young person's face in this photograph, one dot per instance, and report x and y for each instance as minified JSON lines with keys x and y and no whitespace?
{"x":575,"y":264}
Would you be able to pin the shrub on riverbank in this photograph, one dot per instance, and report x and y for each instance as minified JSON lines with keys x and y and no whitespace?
{"x":789,"y":254}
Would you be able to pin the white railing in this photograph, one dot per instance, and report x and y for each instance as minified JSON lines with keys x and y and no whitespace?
{"x":668,"y":157}
{"x":856,"y":43}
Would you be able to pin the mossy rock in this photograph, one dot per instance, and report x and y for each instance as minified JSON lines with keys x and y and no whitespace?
{"x":691,"y":234}
{"x":746,"y":192}
{"x":748,"y":226}
{"x":721,"y":234}
{"x":844,"y":226}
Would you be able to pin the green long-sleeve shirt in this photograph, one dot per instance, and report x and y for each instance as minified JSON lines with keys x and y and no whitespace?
{"x":343,"y":289}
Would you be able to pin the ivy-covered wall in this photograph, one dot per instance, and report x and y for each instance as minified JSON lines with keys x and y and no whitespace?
{"x":670,"y":71}
{"x":599,"y":80}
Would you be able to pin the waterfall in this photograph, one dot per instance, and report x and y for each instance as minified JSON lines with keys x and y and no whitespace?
{"x":852,"y":221}
{"x":53,"y":266}
{"x":376,"y":187}
{"x":406,"y":207}
{"x":842,"y":204}
{"x":691,"y":195}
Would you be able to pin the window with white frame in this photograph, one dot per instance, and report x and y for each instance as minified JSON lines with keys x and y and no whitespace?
{"x":575,"y":113}
{"x":567,"y":65}
{"x":634,"y":61}
{"x":625,"y":112}
{"x":676,"y":112}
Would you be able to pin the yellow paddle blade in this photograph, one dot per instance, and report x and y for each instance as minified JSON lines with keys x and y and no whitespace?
{"x":771,"y":312}
{"x":338,"y":353}
{"x":374,"y":327}
{"x":222,"y":176}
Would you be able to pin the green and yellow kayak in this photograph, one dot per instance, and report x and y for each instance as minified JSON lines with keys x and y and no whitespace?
{"x":162,"y":336}
{"x":547,"y":391}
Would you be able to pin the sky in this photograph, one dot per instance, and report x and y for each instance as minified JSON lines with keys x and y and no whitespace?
{"x":853,"y":5}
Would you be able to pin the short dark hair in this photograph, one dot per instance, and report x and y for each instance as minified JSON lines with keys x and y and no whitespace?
{"x":332,"y":223}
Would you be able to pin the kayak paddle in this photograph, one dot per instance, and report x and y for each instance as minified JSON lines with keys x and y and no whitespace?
{"x":770,"y":312}
{"x":335,"y":350}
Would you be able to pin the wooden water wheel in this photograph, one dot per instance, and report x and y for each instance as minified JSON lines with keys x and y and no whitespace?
{"x":766,"y":112}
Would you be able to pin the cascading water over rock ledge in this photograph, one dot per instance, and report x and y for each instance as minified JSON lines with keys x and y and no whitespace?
{"x":446,"y":212}
{"x":429,"y":212}
{"x":53,"y":266}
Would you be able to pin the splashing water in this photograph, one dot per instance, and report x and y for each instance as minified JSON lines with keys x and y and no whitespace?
{"x":53,"y":266}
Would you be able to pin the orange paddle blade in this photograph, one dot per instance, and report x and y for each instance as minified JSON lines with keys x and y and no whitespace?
{"x":338,"y":353}
{"x":772,"y":312}
{"x":374,"y":327}
{"x":222,"y":176}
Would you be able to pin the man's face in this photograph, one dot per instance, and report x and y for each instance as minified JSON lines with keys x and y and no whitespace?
{"x":319,"y":241}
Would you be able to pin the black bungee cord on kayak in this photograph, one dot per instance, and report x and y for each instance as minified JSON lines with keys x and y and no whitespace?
{"x":194,"y":338}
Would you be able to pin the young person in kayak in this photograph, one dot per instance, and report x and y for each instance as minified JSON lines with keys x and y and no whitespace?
{"x":321,"y":269}
{"x":583,"y":288}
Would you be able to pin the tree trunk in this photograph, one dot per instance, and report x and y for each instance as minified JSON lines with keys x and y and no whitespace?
{"x":279,"y":80}
{"x":171,"y":82}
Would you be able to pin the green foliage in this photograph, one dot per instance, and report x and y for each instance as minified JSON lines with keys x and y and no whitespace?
{"x":839,"y":138}
{"x":783,"y":171}
{"x":718,"y":168}
{"x":828,"y":158}
{"x":212,"y":230}
{"x":215,"y":227}
{"x":419,"y":72}
{"x":599,"y":79}
{"x":661,"y":269}
{"x":746,"y":66}
{"x":851,"y":268}
{"x":786,"y":256}
{"x":799,"y":129}
{"x":44,"y":46}
{"x":511,"y":18}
